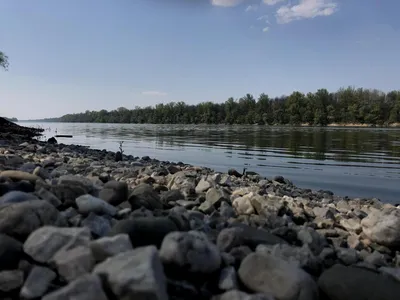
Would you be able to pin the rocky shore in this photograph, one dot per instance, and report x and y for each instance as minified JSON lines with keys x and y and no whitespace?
{"x":77,"y":224}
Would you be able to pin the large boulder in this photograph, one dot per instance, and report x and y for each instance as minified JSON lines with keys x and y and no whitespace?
{"x":144,"y":195}
{"x":383,"y":226}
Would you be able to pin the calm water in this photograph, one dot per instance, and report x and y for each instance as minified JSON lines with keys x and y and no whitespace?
{"x":350,"y":162}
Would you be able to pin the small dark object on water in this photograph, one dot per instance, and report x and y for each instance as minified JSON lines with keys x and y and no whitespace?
{"x":118,"y":156}
{"x":52,"y":140}
{"x":64,"y":135}
{"x":248,"y":172}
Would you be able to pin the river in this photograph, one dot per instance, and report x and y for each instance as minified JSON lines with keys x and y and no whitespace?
{"x":354,"y":162}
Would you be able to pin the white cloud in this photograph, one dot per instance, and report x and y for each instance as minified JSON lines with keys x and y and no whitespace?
{"x":265,"y":29}
{"x":251,"y":8}
{"x":306,"y":9}
{"x":272,"y":2}
{"x":154,"y":93}
{"x":226,"y":3}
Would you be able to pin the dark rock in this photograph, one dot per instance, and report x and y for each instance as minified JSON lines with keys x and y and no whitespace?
{"x":350,"y":283}
{"x":37,"y":282}
{"x":68,"y":193}
{"x":52,"y":140}
{"x":145,"y":231}
{"x":10,"y":252}
{"x":239,"y":295}
{"x":90,"y":204}
{"x":144,"y":195}
{"x":109,"y":246}
{"x":98,"y":225}
{"x":172,"y":195}
{"x":114,"y":192}
{"x":279,"y":179}
{"x":118,"y":156}
{"x":16,"y":197}
{"x":233,"y":172}
{"x":11,"y":280}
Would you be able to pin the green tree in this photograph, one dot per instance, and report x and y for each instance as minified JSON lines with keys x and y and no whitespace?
{"x":3,"y":61}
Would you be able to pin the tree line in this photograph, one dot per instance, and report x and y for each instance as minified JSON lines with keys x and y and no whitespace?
{"x":346,"y":106}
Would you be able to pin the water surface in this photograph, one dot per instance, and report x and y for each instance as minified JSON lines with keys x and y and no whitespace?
{"x":355,"y":162}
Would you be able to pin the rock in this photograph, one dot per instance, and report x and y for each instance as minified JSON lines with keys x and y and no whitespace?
{"x":190,"y":251}
{"x":144,"y":195}
{"x":347,"y":256}
{"x":52,"y":140}
{"x":109,"y":246}
{"x":214,"y":197}
{"x":118,"y":156}
{"x":203,"y":186}
{"x":352,"y":225}
{"x":114,"y":192}
{"x":49,"y":197}
{"x":350,"y":283}
{"x":230,"y":238}
{"x":10,"y":252}
{"x":19,"y":175}
{"x":383,"y":226}
{"x":68,"y":193}
{"x":136,"y":274}
{"x":86,"y":287}
{"x":46,"y":241}
{"x":239,"y":295}
{"x":16,"y":197}
{"x":77,"y":181}
{"x":89,"y":204}
{"x":392,"y":272}
{"x":20,"y":219}
{"x":37,"y":282}
{"x":172,"y":195}
{"x":73,"y":263}
{"x":233,"y":172}
{"x":243,"y":206}
{"x":313,"y":239}
{"x":11,"y":280}
{"x":98,"y":225}
{"x":261,"y":272}
{"x":228,"y":279}
{"x":144,"y":231}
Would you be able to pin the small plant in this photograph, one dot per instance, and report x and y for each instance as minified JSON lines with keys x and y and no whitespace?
{"x":120,"y":147}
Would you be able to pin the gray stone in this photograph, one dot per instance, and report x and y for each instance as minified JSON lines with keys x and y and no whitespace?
{"x":87,"y":287}
{"x":72,"y":263}
{"x":98,"y":225}
{"x":203,"y":186}
{"x":261,"y":273}
{"x":11,"y":280}
{"x":352,"y":225}
{"x":46,"y":241}
{"x":37,"y":282}
{"x":350,"y":283}
{"x":392,"y":272}
{"x":16,"y":197}
{"x":20,"y":219}
{"x":383,"y":226}
{"x":172,"y":195}
{"x":136,"y":274}
{"x":77,"y":181}
{"x":89,"y":204}
{"x":109,"y":246}
{"x":313,"y":239}
{"x":347,"y":256}
{"x":214,"y":197}
{"x":191,"y":251}
{"x":49,"y":197}
{"x":10,"y":252}
{"x":228,"y":279}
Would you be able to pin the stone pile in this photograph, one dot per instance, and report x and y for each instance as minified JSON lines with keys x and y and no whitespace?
{"x":76,"y":224}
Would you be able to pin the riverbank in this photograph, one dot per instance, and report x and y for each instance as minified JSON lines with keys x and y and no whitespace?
{"x":88,"y":226}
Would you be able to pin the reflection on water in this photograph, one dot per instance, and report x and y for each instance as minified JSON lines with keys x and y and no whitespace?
{"x":355,"y":162}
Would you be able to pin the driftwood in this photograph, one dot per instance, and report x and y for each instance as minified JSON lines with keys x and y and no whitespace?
{"x":11,"y":130}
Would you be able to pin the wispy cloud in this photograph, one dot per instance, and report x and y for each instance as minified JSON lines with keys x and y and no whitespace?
{"x":251,"y":8}
{"x":265,"y":29}
{"x":226,"y":3}
{"x":264,"y":18}
{"x":154,"y":93}
{"x":272,"y":2}
{"x":306,"y":9}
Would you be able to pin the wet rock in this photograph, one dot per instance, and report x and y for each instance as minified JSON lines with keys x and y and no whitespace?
{"x":114,"y":192}
{"x":10,"y":252}
{"x":383,"y":226}
{"x":20,"y":219}
{"x":144,"y":195}
{"x":90,"y":204}
{"x":135,"y":274}
{"x":260,"y":272}
{"x":37,"y":282}
{"x":46,"y":241}
{"x":109,"y":246}
{"x":191,"y":251}
{"x":11,"y":280}
{"x":87,"y":287}
{"x":349,"y":283}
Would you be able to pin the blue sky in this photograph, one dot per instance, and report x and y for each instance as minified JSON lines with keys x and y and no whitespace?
{"x":72,"y":55}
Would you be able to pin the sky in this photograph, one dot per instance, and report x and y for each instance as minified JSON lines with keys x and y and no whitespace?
{"x":69,"y":56}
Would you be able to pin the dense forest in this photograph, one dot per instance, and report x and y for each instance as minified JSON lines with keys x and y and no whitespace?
{"x":346,"y":106}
